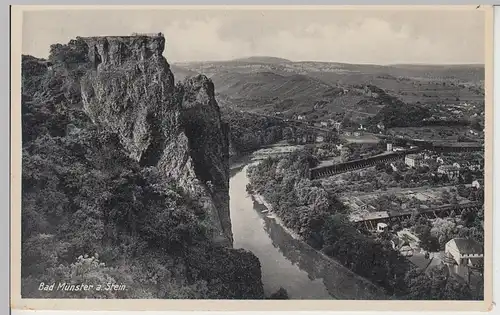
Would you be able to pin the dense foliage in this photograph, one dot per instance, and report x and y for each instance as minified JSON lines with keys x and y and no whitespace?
{"x":249,"y":132}
{"x":396,"y":113}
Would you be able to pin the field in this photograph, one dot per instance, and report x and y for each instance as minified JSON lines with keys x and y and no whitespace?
{"x":454,"y":133}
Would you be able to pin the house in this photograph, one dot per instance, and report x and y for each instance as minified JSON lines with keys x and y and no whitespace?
{"x":358,"y":133}
{"x":395,"y":149}
{"x":450,"y":170}
{"x":300,"y":117}
{"x":406,"y":250}
{"x":462,"y":252}
{"x":381,"y":126}
{"x":347,"y":133}
{"x":439,"y":160}
{"x":413,"y":160}
{"x":381,"y":227}
{"x":324,"y":124}
{"x":476,"y":184}
{"x":389,"y":147}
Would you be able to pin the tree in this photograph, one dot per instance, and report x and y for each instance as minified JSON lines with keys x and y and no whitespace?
{"x":436,"y":284}
{"x":428,"y":242}
{"x":281,"y":294}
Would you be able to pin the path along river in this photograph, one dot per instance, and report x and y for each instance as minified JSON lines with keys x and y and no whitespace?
{"x":287,"y":261}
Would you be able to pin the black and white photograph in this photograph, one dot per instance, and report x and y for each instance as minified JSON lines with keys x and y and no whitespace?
{"x":253,"y":153}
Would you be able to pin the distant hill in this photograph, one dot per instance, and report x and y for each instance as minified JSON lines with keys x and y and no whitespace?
{"x":180,"y":73}
{"x":262,"y":59}
{"x":318,"y":89}
{"x":269,"y":85}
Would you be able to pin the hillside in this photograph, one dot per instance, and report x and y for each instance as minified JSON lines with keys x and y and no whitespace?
{"x":322,"y":89}
{"x":181,"y":74}
{"x":262,"y":59}
{"x":124,"y":184}
{"x":268,"y":84}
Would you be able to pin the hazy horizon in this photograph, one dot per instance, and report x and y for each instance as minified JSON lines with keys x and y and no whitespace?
{"x":322,"y":61}
{"x":376,"y":37}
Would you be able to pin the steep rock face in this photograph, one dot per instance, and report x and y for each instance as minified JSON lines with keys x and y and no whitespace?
{"x":131,"y":92}
{"x":208,"y":142}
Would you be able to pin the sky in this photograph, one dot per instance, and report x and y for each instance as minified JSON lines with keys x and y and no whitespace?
{"x":348,"y":36}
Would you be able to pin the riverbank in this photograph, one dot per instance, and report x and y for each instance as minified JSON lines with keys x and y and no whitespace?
{"x":379,"y":293}
{"x":260,"y":199}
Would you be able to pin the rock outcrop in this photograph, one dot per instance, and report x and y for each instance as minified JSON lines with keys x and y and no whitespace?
{"x":131,"y":92}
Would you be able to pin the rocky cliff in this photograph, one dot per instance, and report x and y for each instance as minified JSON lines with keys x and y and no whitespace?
{"x":130,"y":91}
{"x":126,"y":173}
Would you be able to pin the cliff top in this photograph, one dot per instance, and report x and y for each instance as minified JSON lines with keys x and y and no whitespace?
{"x":133,"y":35}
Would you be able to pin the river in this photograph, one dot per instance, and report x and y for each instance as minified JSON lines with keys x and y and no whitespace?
{"x":286,"y":261}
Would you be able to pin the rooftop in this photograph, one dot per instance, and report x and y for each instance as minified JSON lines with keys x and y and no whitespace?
{"x":414,"y":156}
{"x":376,"y":215}
{"x":467,"y":246}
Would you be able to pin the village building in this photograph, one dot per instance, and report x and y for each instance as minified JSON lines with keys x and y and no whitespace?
{"x":300,"y":117}
{"x":465,"y":251}
{"x":475,"y":184}
{"x":450,"y":170}
{"x":463,"y":256}
{"x":413,"y":160}
{"x":381,"y":126}
{"x":381,"y":227}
